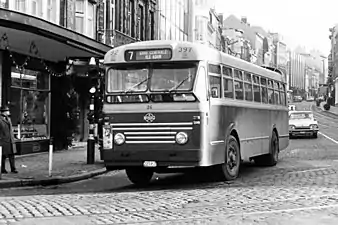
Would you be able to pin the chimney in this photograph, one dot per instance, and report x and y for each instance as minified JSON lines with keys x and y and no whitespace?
{"x":244,"y":20}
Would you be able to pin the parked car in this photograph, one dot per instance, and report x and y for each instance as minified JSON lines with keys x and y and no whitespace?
{"x":302,"y":123}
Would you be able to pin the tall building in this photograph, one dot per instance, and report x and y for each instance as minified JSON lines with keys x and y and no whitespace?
{"x":296,"y":67}
{"x":173,"y":20}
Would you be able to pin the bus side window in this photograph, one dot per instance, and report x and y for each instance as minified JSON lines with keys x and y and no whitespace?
{"x":239,"y":92}
{"x":215,"y":86}
{"x":270,"y":96}
{"x":228,"y":88}
{"x":282,"y":98}
{"x":256,"y":89}
{"x":264,"y":91}
{"x":228,"y":84}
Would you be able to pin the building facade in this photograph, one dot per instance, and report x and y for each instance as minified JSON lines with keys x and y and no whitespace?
{"x":296,"y":66}
{"x":204,"y":24}
{"x":173,"y":20}
{"x":36,"y":72}
{"x":135,"y":20}
{"x":281,"y":54}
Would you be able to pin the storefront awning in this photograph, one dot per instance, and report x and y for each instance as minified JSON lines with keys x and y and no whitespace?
{"x":38,"y":38}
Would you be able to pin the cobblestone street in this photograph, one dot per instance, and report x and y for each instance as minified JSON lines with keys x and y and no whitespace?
{"x":301,"y":189}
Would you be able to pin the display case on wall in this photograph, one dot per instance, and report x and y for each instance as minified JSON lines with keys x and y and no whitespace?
{"x":30,"y":110}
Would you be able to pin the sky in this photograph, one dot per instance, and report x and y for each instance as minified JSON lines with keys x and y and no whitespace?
{"x":300,"y":22}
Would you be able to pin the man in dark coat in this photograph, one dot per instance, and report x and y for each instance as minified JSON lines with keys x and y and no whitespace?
{"x":7,"y":140}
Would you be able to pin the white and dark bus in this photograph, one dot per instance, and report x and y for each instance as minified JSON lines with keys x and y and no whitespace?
{"x":172,"y":105}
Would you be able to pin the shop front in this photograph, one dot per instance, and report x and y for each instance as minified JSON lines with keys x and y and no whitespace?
{"x":33,"y":53}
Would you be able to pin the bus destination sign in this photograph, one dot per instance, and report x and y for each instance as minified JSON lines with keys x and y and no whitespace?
{"x":145,"y":55}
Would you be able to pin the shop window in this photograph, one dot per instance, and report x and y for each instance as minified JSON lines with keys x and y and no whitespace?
{"x":248,"y":92}
{"x":228,"y":88}
{"x":239,"y":94}
{"x":257,"y":93}
{"x":215,"y":86}
{"x":29,"y":97}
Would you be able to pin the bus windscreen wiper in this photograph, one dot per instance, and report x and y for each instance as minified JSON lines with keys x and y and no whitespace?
{"x":136,"y":85}
{"x":180,"y":84}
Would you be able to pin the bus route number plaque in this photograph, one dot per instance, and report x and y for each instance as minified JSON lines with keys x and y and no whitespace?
{"x":146,"y":55}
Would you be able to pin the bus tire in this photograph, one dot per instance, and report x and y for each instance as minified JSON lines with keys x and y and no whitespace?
{"x":139,"y":176}
{"x":230,"y":168}
{"x":270,"y":159}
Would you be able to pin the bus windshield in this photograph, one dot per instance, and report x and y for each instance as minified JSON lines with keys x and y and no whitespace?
{"x":128,"y":78}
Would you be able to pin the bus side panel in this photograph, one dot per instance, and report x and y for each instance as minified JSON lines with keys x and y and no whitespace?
{"x":253,"y":124}
{"x":248,"y":122}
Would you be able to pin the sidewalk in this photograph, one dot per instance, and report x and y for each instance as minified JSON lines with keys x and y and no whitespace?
{"x":333,"y":109}
{"x":68,"y":166}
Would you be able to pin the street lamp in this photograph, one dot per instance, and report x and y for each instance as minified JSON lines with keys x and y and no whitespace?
{"x":94,"y":68}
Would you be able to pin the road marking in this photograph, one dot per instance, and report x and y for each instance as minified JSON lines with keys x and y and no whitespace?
{"x":304,"y":171}
{"x":331,"y":139}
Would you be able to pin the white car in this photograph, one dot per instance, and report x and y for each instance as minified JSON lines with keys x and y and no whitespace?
{"x":302,"y":123}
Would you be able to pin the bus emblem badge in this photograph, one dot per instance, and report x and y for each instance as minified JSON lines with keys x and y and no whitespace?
{"x":149,"y":117}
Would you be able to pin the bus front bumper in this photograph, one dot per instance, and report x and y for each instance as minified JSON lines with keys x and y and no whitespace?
{"x":162,"y":158}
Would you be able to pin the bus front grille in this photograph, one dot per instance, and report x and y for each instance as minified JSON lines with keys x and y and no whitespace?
{"x":151,"y":133}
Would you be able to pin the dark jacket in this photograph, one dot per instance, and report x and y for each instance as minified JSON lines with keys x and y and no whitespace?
{"x":6,"y":136}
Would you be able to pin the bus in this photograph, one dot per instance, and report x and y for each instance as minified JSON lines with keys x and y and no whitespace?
{"x":173,"y":105}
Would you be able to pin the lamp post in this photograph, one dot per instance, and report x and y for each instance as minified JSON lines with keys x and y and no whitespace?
{"x":94,"y":66}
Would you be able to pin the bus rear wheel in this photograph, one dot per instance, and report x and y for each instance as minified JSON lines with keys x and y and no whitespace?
{"x":270,"y":159}
{"x":139,"y":176}
{"x":230,"y":168}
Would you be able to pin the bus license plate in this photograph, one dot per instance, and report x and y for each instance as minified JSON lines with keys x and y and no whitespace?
{"x":149,"y":164}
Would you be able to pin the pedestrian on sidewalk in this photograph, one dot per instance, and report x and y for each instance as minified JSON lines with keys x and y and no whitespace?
{"x":7,"y":140}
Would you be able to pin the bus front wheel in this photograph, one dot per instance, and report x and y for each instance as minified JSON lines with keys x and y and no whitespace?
{"x":139,"y":176}
{"x":230,"y":168}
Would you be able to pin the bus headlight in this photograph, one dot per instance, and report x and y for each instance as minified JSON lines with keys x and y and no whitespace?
{"x":181,"y":138}
{"x":292,"y":127}
{"x":119,"y":138}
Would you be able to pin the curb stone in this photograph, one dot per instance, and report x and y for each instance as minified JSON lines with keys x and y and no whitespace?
{"x":51,"y":181}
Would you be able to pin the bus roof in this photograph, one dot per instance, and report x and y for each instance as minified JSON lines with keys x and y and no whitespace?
{"x":187,"y":51}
